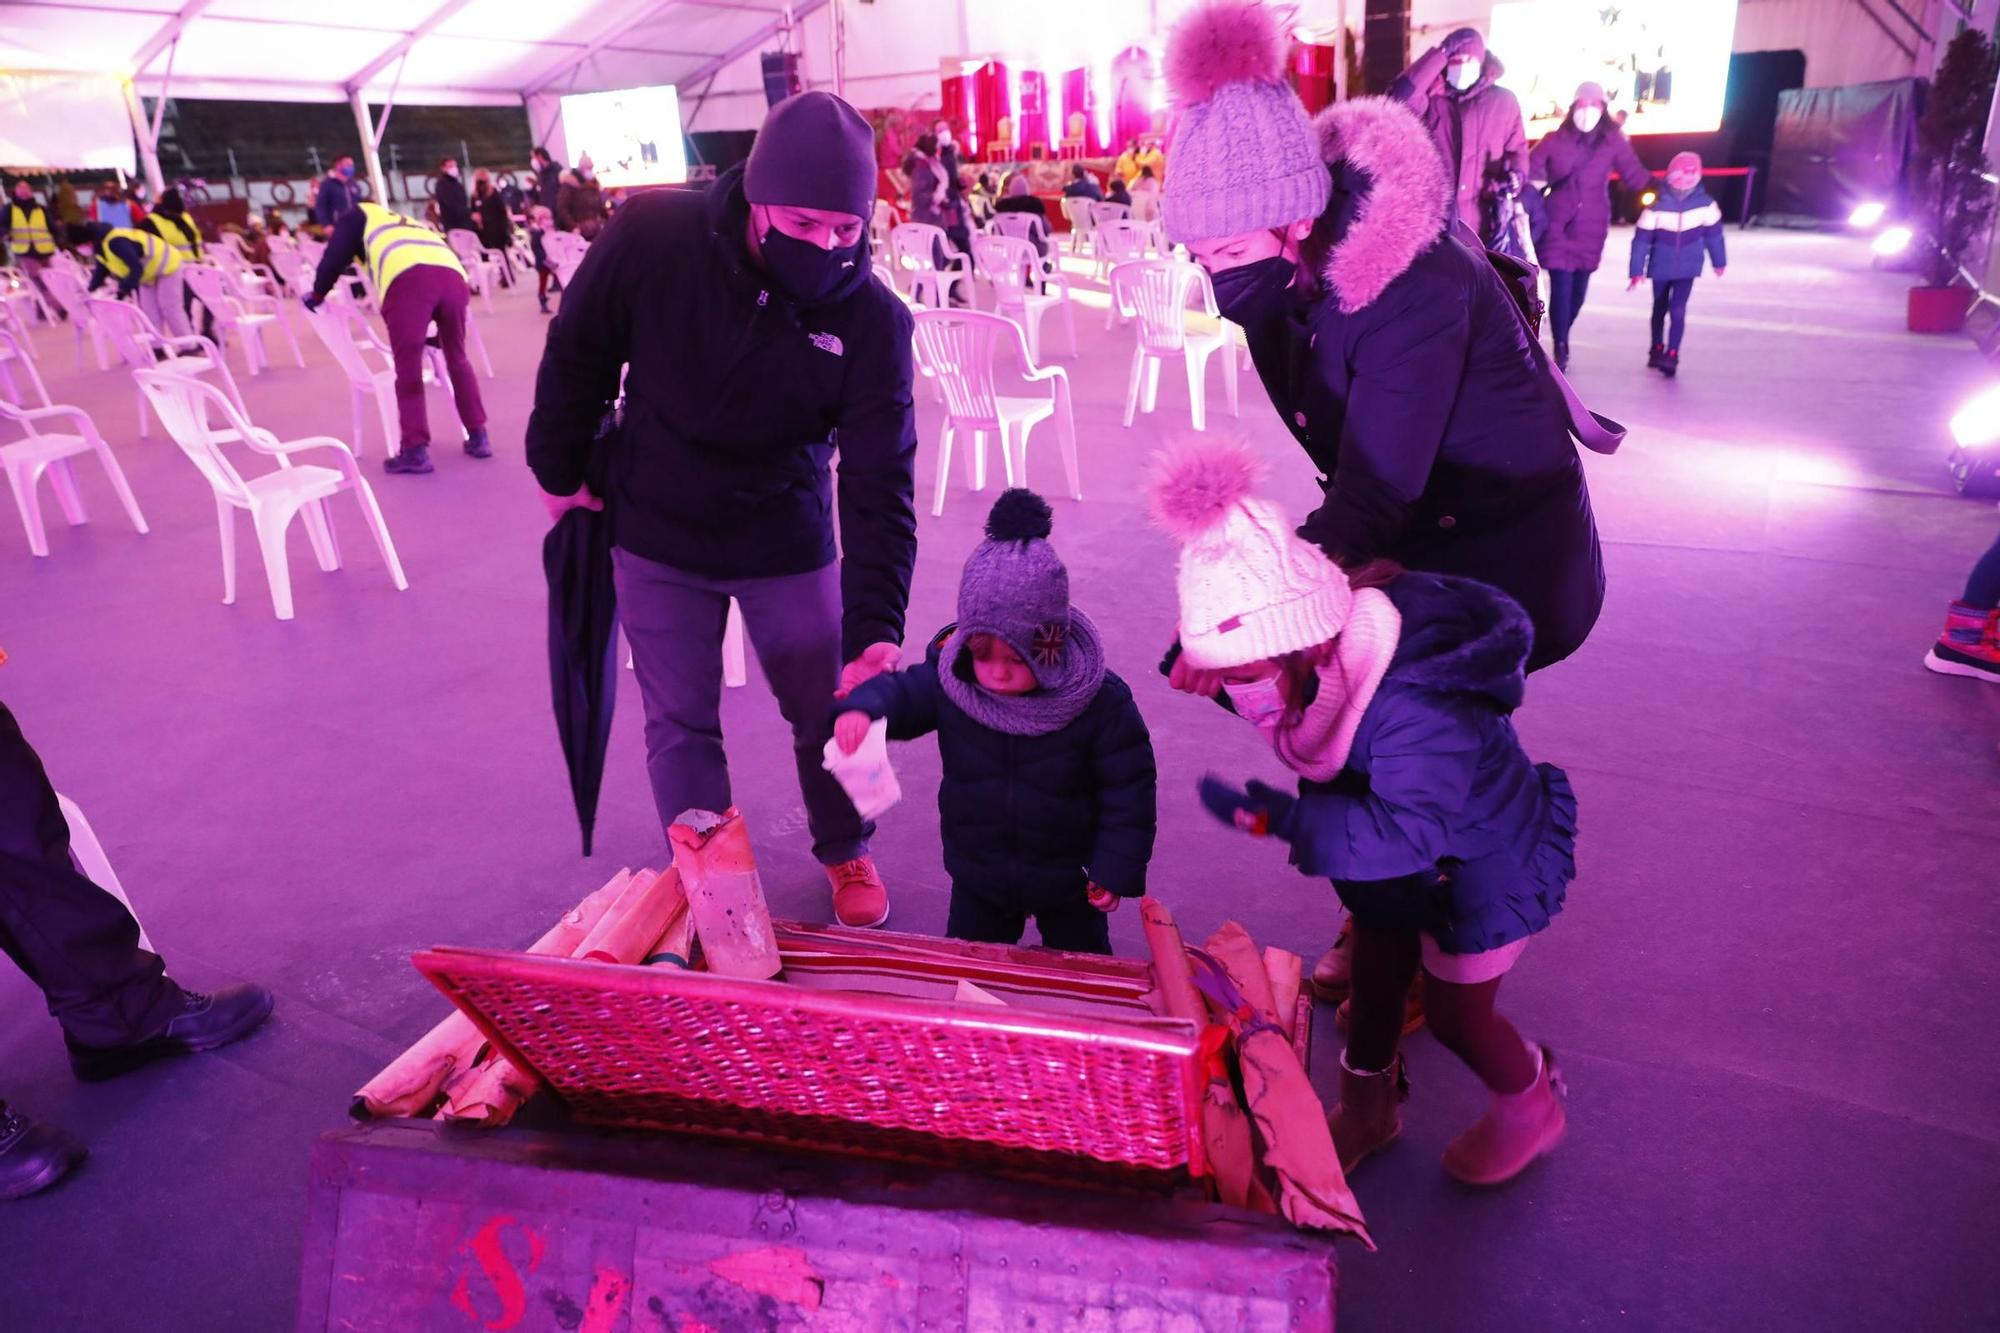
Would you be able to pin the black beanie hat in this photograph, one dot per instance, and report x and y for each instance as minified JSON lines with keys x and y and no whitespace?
{"x":814,"y":151}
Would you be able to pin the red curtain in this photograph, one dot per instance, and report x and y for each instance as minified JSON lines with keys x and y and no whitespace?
{"x":1031,"y":118}
{"x":963,"y":124}
{"x":1133,"y":88}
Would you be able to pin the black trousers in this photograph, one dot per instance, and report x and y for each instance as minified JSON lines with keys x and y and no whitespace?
{"x":1073,"y":928}
{"x":1670,"y":297}
{"x":1567,"y":287}
{"x":73,"y":939}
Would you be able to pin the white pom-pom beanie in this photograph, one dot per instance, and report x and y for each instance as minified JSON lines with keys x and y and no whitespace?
{"x":1249,"y":588}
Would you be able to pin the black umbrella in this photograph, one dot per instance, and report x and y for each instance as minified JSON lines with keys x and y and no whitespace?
{"x":583,"y":668}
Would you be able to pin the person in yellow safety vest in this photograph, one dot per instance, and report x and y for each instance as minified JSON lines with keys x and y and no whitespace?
{"x":170,"y":222}
{"x":144,"y":266}
{"x":30,"y":241}
{"x":418,"y":282}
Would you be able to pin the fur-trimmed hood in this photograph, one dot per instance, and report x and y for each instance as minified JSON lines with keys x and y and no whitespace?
{"x":1460,"y":637}
{"x":1388,"y":176}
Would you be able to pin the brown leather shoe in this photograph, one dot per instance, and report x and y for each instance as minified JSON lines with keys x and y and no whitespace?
{"x":1333,"y":973}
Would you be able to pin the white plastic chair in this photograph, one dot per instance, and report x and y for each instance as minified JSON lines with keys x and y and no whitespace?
{"x":1022,"y":226}
{"x":139,"y":345}
{"x":189,"y":409}
{"x":236,"y":317}
{"x":37,"y":451}
{"x":735,"y":661}
{"x":1103,"y":211}
{"x":565,"y":251}
{"x":960,"y":346}
{"x":1118,"y":242}
{"x":88,"y":855}
{"x":17,"y":289}
{"x":71,"y":292}
{"x":1082,"y":231}
{"x":881,"y":221}
{"x":915,"y":246}
{"x":482,"y":266}
{"x":343,"y":329}
{"x":1157,"y":292}
{"x":1021,"y":287}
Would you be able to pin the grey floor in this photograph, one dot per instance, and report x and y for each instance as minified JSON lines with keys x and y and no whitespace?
{"x":1774,"y":991}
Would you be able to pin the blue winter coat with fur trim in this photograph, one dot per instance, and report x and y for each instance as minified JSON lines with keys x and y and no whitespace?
{"x":1439,"y":822}
{"x":1031,"y":819}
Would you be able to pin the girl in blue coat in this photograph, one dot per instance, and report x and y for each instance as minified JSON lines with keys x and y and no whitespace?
{"x":1673,"y":234}
{"x":1389,"y":696}
{"x":1047,"y":806}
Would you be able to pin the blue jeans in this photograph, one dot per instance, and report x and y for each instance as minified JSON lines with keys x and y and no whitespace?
{"x":675,"y":622}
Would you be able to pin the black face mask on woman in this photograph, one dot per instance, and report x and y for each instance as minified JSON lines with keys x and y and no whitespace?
{"x":1256,"y":292}
{"x":808,"y":273}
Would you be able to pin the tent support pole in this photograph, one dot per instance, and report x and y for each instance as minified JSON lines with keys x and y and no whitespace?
{"x":149,"y":153}
{"x":369,"y":142}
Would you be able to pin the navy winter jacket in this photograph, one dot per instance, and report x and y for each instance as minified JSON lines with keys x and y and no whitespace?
{"x":1673,"y":234}
{"x":1577,"y":168}
{"x":1439,"y":822}
{"x":736,"y":401}
{"x":1031,"y":819}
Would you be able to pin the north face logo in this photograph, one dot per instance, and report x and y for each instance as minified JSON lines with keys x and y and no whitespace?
{"x":827,"y":342}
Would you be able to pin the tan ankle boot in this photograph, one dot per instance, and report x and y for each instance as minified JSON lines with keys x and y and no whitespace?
{"x":1332,"y":975}
{"x":1519,"y":1128}
{"x":1370,"y":1114}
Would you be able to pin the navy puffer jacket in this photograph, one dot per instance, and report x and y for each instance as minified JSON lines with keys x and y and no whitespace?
{"x":1673,"y":234}
{"x":1032,"y":819}
{"x":1439,"y":822}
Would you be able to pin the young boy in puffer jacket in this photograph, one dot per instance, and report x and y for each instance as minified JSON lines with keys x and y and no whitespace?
{"x":1681,"y":225}
{"x":1048,"y":804}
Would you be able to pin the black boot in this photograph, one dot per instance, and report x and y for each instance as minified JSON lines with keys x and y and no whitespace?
{"x":1653,"y":357}
{"x":1670,"y":361}
{"x":477,"y":445}
{"x":204,"y":1023}
{"x":32,"y":1157}
{"x":1562,"y":356}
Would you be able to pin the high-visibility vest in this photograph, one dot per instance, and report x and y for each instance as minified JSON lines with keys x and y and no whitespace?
{"x":181,"y":235}
{"x":393,"y":245}
{"x":28,"y":230}
{"x":161,"y":258}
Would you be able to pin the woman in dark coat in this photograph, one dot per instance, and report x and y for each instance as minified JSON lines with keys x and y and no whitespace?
{"x":496,"y":227}
{"x":1576,"y":161}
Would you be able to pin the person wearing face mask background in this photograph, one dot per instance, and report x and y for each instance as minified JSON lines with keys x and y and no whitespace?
{"x":454,"y":209}
{"x":337,"y":193}
{"x":1387,"y":342}
{"x":758,"y":343}
{"x":1576,"y":160}
{"x":1475,"y":123}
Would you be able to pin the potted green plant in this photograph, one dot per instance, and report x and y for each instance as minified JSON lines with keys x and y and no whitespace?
{"x":1955,"y":198}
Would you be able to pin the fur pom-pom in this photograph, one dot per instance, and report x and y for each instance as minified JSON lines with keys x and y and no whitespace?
{"x":1020,"y":515}
{"x":1192,"y":485}
{"x":1222,"y":42}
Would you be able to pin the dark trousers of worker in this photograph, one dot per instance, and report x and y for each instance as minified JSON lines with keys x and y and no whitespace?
{"x":73,"y":939}
{"x":1670,"y":301}
{"x":1002,"y":918}
{"x":1567,"y":287}
{"x":417,"y":298}
{"x":675,"y":622}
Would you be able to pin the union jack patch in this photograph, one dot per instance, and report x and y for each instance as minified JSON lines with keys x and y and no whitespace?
{"x":1048,"y":646}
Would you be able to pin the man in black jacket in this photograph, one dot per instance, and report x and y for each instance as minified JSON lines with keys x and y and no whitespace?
{"x":758,"y":343}
{"x":454,"y":212}
{"x":548,"y":178}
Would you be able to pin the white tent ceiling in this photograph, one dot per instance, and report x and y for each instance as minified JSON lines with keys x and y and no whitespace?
{"x":435,"y":52}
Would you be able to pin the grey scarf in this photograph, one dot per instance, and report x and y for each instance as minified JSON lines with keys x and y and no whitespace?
{"x":1043,"y":712}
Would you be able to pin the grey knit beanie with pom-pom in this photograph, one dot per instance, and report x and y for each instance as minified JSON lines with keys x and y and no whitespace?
{"x":1244,"y":156}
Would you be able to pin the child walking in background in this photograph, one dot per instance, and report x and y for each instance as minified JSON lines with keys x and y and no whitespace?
{"x":1389,"y":696}
{"x":540,"y":221}
{"x":1047,"y":805}
{"x":1681,"y":225}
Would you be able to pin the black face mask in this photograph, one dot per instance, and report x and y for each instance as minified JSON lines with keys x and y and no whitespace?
{"x":1254,"y":293}
{"x":809,"y":274}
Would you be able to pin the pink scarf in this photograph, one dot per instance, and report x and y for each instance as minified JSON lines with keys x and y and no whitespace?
{"x":1315,"y":743}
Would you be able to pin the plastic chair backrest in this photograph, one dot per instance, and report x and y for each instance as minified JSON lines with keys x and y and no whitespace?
{"x":131,"y":333}
{"x":915,"y":245}
{"x":1026,"y":226}
{"x":334,"y":324}
{"x":1156,"y":291}
{"x":69,"y":290}
{"x":1121,"y":242}
{"x":1009,"y":259}
{"x":17,"y":359}
{"x":183,"y":405}
{"x":1103,"y":212}
{"x":465,"y":244}
{"x":211,"y":287}
{"x":1078,"y":213}
{"x":958,"y":346}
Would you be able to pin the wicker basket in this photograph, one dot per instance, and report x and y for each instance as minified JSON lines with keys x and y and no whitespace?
{"x":1018,"y":1089}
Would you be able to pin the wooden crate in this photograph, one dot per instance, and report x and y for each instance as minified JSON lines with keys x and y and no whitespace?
{"x":413,"y":1227}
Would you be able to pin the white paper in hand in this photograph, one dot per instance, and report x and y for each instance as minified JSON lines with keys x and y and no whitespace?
{"x":865,"y":775}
